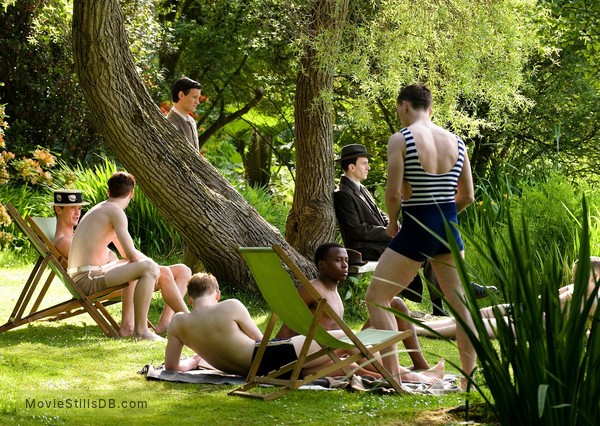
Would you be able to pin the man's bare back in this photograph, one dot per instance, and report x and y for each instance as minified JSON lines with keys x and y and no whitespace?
{"x":216,"y":333}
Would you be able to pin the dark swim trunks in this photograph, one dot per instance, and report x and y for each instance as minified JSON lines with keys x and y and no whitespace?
{"x":416,"y":241}
{"x":279,"y":352}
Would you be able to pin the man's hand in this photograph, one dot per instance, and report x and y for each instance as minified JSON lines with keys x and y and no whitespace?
{"x":392,"y":228}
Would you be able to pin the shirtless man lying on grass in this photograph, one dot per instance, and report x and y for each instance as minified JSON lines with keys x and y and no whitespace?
{"x":332,"y":261}
{"x":224,"y":335}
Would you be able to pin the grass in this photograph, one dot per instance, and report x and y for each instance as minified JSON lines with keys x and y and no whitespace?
{"x":72,"y":362}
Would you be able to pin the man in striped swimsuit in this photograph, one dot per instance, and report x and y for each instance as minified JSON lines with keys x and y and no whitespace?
{"x":429,"y":180}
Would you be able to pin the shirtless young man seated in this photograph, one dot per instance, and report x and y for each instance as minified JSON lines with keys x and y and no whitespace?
{"x":223,"y":335}
{"x":67,"y":207}
{"x":331,"y":260}
{"x":93,"y":268}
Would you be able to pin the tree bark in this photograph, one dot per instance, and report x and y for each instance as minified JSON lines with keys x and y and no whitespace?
{"x":311,"y":221}
{"x":213,"y":218}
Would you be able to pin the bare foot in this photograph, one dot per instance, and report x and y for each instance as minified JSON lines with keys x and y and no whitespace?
{"x":464,"y":382}
{"x":125,"y":332}
{"x":148,"y":335}
{"x":437,"y":370}
{"x":162,"y":329}
{"x":413,"y":377}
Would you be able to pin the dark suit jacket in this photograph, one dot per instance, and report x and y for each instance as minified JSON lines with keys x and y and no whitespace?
{"x":361,"y":227}
{"x":184,"y":127}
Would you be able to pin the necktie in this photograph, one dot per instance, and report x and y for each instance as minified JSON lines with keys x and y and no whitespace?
{"x":369,"y":199}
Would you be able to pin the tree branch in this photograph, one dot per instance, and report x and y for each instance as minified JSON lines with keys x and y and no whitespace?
{"x":226,"y":119}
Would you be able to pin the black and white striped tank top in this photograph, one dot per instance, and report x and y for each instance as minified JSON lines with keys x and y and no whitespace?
{"x":429,"y":188}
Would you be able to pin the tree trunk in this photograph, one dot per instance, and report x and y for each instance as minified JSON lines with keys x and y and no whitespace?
{"x":312,"y":218}
{"x":213,"y":218}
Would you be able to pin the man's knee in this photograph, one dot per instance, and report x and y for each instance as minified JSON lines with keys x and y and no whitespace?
{"x":399,"y":305}
{"x":181,"y":272}
{"x":374,"y":297}
{"x":150,"y":268}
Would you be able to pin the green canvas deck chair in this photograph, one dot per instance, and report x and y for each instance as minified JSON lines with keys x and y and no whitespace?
{"x":279,"y":291}
{"x":49,"y":265}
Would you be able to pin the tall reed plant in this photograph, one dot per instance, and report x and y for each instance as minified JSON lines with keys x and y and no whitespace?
{"x":544,"y":369}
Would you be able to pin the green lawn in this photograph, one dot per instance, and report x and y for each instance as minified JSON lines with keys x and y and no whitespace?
{"x":44,"y":365}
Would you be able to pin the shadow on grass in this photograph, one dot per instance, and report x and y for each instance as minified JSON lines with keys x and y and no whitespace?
{"x":56,"y":334}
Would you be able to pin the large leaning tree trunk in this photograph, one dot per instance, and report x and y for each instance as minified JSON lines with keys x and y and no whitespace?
{"x":312,"y":219}
{"x":191,"y":195}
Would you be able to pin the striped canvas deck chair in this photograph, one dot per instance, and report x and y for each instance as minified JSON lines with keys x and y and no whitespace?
{"x":279,"y":291}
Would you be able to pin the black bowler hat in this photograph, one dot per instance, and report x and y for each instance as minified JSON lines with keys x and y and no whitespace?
{"x":353,"y":151}
{"x":355,"y":258}
{"x":68,"y":197}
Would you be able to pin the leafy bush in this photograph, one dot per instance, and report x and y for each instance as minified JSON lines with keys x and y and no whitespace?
{"x":545,"y":369}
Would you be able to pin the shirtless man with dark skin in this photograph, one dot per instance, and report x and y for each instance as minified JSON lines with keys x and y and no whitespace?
{"x":332,"y":261}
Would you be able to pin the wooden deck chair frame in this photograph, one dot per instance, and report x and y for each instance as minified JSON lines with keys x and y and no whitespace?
{"x":49,"y":260}
{"x":280,"y":293}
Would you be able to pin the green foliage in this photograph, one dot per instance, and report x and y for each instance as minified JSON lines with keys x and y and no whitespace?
{"x":271,"y":206}
{"x":468,"y":53}
{"x":145,"y":34}
{"x":45,"y":101}
{"x":551,"y":209}
{"x":43,"y":96}
{"x":151,"y":233}
{"x":352,"y":290}
{"x":544,"y":370}
{"x":577,"y":24}
{"x":274,"y":202}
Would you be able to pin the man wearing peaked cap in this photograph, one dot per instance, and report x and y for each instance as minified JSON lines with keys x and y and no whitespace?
{"x":67,"y":207}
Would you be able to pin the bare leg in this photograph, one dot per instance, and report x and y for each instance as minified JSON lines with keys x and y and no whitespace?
{"x":127,"y":318}
{"x":445,"y":271}
{"x":437,"y":370}
{"x":411,"y":343}
{"x":315,"y":365}
{"x":447,"y":328}
{"x":146,"y":272}
{"x":180,"y":275}
{"x":392,"y":275}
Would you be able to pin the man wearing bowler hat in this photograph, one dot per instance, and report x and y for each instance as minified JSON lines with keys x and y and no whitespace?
{"x":362,"y":224}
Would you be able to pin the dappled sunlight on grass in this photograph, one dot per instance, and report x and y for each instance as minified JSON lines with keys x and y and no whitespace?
{"x":72,"y":360}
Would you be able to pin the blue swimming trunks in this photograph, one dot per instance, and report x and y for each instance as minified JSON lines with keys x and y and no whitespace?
{"x":416,"y":241}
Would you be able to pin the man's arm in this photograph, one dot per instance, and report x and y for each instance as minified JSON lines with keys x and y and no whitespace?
{"x":393,"y":191}
{"x":242,"y":317}
{"x":63,"y":245}
{"x":173,"y":351}
{"x":123,"y":241}
{"x":465,"y":193}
